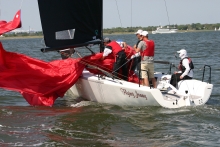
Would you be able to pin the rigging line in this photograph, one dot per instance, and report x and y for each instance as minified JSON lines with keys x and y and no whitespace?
{"x":118,"y":13}
{"x":98,"y":66}
{"x":131,"y":13}
{"x":106,"y":73}
{"x":167,"y":12}
{"x":21,"y":4}
{"x":121,"y":65}
{"x":168,"y":17}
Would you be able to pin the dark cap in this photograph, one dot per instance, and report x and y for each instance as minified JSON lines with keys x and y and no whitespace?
{"x":106,"y":40}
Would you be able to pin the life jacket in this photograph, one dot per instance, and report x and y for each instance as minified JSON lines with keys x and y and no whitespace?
{"x":182,"y":68}
{"x":115,"y":47}
{"x":149,"y":51}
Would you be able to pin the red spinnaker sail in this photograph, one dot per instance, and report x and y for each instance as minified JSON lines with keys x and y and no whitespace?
{"x":14,"y":24}
{"x":40,"y":82}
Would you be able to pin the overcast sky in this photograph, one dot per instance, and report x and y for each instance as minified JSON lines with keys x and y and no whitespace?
{"x":131,"y":12}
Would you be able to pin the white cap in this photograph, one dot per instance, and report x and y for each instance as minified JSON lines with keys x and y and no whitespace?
{"x":144,"y":33}
{"x":182,"y":51}
{"x":139,"y":32}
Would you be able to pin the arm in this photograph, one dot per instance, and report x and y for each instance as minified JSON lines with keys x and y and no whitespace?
{"x":106,"y":52}
{"x":124,"y":45}
{"x":141,"y":46}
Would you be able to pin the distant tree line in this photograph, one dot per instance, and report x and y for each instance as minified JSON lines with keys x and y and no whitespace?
{"x":23,"y":34}
{"x":193,"y":26}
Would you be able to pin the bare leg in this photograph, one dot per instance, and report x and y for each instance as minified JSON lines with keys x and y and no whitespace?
{"x":146,"y":82}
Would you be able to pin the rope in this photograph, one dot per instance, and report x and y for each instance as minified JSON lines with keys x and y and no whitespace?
{"x":118,"y":13}
{"x":21,"y":4}
{"x":121,"y":66}
{"x":102,"y":70}
{"x":105,"y":69}
{"x":98,"y":67}
{"x":167,"y":12}
{"x":131,"y":13}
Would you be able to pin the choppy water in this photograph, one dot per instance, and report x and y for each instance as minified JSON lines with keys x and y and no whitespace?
{"x":69,"y":123}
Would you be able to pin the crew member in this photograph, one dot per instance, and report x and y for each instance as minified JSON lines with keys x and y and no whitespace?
{"x":185,"y":68}
{"x":113,"y":48}
{"x":147,"y":59}
{"x":67,"y":53}
{"x":137,"y":59}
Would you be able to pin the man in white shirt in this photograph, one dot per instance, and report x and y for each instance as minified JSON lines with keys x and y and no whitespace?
{"x":185,"y":68}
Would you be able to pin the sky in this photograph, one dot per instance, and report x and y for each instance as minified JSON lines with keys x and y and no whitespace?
{"x":127,"y":13}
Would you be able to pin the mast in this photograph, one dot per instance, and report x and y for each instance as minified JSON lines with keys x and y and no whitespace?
{"x":101,"y":44}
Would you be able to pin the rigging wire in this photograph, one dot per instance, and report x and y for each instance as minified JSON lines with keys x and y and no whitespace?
{"x":21,"y":4}
{"x":131,"y":13}
{"x":167,"y":12}
{"x":118,"y":12}
{"x":169,"y":28}
{"x":99,"y":67}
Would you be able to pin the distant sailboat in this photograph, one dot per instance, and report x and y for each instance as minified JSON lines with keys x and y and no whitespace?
{"x":161,"y":30}
{"x":215,"y":28}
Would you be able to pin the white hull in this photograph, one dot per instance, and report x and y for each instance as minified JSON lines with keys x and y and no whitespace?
{"x":164,"y":31}
{"x":119,"y":92}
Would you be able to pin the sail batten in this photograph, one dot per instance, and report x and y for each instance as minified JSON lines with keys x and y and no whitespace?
{"x":70,"y":23}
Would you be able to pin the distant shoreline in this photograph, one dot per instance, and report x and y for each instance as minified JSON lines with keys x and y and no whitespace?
{"x":117,"y":33}
{"x":20,"y":37}
{"x":179,"y":31}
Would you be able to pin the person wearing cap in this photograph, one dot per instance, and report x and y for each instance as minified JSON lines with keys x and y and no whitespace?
{"x":147,"y":59}
{"x":66,"y":53}
{"x":138,"y":34}
{"x":112,"y":48}
{"x":137,"y":58}
{"x":139,"y":37}
{"x":185,"y":68}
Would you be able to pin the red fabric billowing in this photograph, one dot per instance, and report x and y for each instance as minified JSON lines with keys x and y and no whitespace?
{"x":2,"y":22}
{"x":96,"y":61}
{"x":14,"y":24}
{"x":40,"y":82}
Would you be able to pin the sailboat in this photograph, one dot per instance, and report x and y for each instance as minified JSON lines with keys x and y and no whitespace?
{"x":74,"y":24}
{"x":161,"y":30}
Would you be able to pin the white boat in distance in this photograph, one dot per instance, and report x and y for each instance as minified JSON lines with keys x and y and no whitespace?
{"x":161,"y":30}
{"x":87,"y":26}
